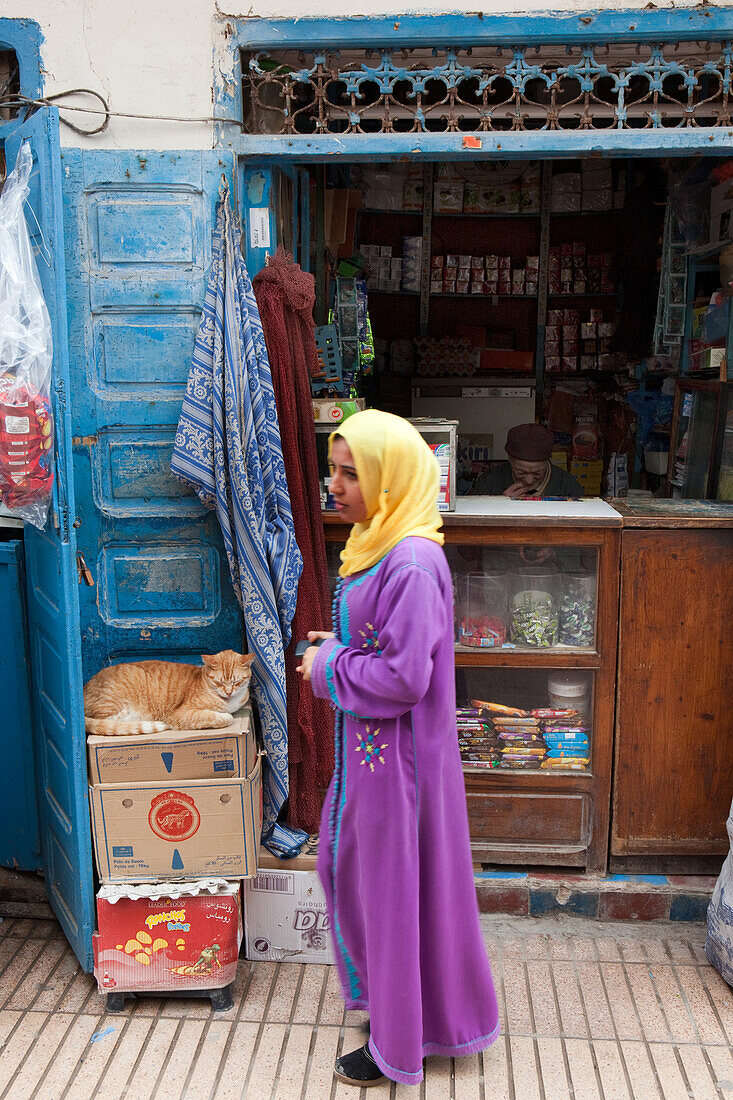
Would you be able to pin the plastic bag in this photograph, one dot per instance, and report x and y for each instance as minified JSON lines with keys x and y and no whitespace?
{"x":719,"y":942}
{"x":26,"y":420}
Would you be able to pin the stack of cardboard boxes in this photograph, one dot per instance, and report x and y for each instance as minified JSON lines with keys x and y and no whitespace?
{"x":176,"y":822}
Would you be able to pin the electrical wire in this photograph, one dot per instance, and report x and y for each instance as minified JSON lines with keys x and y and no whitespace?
{"x":51,"y":100}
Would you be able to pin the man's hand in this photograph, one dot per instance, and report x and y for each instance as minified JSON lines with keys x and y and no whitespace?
{"x":515,"y":491}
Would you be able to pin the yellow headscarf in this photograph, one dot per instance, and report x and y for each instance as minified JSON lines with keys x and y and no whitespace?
{"x":399,"y":480}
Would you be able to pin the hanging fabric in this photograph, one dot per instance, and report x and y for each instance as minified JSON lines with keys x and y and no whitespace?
{"x":285,"y":296}
{"x":228,"y":448}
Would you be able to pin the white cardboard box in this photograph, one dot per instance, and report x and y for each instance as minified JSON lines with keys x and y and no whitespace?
{"x":285,"y":918}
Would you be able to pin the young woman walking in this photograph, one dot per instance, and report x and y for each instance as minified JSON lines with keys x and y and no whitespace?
{"x":394,"y":857}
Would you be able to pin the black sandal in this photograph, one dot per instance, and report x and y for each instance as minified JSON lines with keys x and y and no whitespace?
{"x":358,"y":1068}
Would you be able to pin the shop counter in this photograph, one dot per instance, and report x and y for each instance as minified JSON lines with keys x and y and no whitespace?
{"x":536,"y":587}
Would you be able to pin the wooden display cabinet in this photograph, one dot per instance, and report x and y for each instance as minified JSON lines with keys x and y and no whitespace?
{"x":534,"y":818}
{"x":673,"y":771}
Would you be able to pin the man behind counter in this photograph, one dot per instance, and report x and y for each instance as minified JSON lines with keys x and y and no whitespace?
{"x":529,"y":472}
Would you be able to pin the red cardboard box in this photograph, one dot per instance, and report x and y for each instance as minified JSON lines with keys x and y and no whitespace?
{"x":499,"y":359}
{"x":151,"y":940}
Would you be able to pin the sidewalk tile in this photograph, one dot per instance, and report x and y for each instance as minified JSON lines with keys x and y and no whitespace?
{"x":466,"y":1074}
{"x":698,"y":1000}
{"x":669,"y":1073}
{"x":263,"y":1067}
{"x":698,"y":1074}
{"x":38,"y":1056}
{"x":145,"y":1076}
{"x":283,"y":996}
{"x":641,"y":1071}
{"x":611,"y":1071}
{"x":679,"y":1020}
{"x":624,"y":1014}
{"x":595,"y":1001}
{"x":295,"y":1061}
{"x":524,"y":1068}
{"x":309,"y":996}
{"x":552,"y":1069}
{"x":582,"y":1070}
{"x":572,"y":1013}
{"x":542,"y":995}
{"x":235,"y":1064}
{"x":181,"y":1058}
{"x":320,"y":1070}
{"x":495,"y":1063}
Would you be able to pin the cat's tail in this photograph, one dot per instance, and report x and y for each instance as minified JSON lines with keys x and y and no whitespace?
{"x":122,"y":727}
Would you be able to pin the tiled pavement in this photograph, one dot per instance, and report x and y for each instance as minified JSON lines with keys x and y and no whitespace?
{"x":590,"y":1011}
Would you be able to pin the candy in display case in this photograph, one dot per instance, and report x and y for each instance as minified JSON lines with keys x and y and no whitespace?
{"x":534,"y":606}
{"x":524,"y":719}
{"x":523,"y":597}
{"x":482,"y":600}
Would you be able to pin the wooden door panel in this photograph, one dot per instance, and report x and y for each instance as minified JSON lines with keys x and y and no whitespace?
{"x":674,"y":730}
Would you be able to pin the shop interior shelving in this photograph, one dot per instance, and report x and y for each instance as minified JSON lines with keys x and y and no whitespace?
{"x":531,"y":233}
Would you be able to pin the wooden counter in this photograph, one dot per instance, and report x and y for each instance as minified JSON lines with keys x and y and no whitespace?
{"x":673,"y":765}
{"x":532,"y":818}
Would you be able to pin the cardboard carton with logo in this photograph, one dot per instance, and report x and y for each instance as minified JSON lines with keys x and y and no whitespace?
{"x":175,"y":754}
{"x":171,"y":938}
{"x":285,"y":915}
{"x":185,"y":829}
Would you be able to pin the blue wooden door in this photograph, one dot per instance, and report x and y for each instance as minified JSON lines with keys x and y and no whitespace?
{"x":19,"y":837}
{"x":138,"y":239}
{"x":52,"y":585}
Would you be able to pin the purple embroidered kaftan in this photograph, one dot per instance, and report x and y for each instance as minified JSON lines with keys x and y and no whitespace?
{"x":395,"y":859}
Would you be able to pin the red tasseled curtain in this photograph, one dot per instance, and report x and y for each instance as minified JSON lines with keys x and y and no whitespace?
{"x":285,"y":297}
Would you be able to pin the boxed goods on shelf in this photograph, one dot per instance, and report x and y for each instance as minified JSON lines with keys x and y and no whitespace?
{"x":589,"y":474}
{"x":167,"y":938}
{"x":327,"y":411}
{"x":556,"y":737}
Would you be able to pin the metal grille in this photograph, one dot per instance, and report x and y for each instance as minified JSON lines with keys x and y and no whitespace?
{"x":484,"y":88}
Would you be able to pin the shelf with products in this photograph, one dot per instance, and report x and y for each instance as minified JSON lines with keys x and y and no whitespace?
{"x":527,"y":580}
{"x":701,"y":447}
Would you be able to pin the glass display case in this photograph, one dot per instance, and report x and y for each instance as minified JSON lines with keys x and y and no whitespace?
{"x":701,"y":450}
{"x":536,"y":622}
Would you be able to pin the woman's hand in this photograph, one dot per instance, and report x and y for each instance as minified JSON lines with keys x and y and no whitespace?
{"x":304,"y":668}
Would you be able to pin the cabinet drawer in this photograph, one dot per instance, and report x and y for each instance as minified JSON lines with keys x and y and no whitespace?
{"x":530,"y":817}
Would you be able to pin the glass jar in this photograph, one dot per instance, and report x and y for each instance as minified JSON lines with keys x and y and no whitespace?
{"x":483,"y":623}
{"x":534,"y":609}
{"x":570,"y":691}
{"x":578,"y":608}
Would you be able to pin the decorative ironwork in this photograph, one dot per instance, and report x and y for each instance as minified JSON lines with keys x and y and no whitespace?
{"x":483,"y":88}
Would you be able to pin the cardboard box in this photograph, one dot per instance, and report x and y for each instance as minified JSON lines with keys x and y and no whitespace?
{"x":195,"y":828}
{"x":721,"y":212}
{"x":175,"y":754}
{"x":285,"y":918}
{"x":150,"y":940}
{"x":501,"y":359}
{"x":328,"y":411}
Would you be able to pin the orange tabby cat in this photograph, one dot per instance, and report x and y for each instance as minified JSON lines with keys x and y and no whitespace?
{"x":151,"y":696}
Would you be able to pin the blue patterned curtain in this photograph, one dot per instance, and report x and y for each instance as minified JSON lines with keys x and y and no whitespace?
{"x":228,"y":448}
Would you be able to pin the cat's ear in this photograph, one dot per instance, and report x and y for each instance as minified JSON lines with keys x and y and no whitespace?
{"x":247,"y":658}
{"x":208,"y":658}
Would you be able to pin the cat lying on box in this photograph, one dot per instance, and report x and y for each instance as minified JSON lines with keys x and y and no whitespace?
{"x":152,"y":696}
